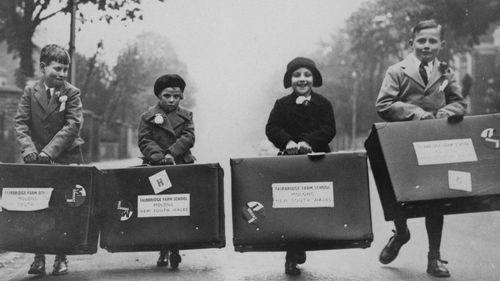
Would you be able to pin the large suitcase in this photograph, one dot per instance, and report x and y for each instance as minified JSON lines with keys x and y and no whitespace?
{"x":303,"y":202}
{"x":139,"y":214}
{"x":436,"y":166}
{"x":48,"y":209}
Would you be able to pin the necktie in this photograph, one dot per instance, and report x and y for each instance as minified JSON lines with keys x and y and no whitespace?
{"x":48,"y":96}
{"x":423,"y":73}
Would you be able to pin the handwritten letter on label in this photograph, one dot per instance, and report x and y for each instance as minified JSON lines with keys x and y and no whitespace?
{"x":445,"y":151}
{"x":160,"y":181}
{"x":26,"y":199}
{"x":303,"y":195}
{"x":165,"y":205}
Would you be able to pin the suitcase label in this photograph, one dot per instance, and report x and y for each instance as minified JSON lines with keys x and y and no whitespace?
{"x":160,"y":181}
{"x":124,"y":210}
{"x":254,"y":212}
{"x":303,"y":195}
{"x":459,"y":180}
{"x":490,"y":138}
{"x":165,"y":205}
{"x":25,"y":199}
{"x":444,"y":151}
{"x":75,"y":197}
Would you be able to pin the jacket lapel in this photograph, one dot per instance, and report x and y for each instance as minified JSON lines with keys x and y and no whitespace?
{"x":54,"y":100}
{"x":436,"y":74}
{"x":411,"y":70}
{"x":41,"y":95}
{"x":166,"y":125}
{"x":176,"y":118}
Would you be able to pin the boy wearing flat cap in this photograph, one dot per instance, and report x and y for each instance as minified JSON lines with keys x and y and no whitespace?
{"x":300,"y":123}
{"x":166,"y":136}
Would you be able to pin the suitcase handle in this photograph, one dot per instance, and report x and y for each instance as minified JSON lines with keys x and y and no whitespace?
{"x":311,"y":156}
{"x":316,"y":155}
{"x":455,"y":119}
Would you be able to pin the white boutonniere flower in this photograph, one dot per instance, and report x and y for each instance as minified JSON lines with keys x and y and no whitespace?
{"x":302,"y":100}
{"x":443,"y":85}
{"x":158,"y":119}
{"x":62,"y":99}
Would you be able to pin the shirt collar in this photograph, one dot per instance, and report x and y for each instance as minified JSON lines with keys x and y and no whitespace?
{"x":47,"y":88}
{"x":417,"y":62}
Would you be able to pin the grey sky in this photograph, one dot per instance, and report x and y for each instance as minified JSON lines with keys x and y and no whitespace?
{"x":233,"y":50}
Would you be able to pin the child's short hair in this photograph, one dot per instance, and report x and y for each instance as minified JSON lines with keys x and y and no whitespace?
{"x":425,"y":24}
{"x":53,"y":52}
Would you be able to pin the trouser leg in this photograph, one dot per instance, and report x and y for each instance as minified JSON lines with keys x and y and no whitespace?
{"x":434,"y":226}
{"x":401,"y":226}
{"x":290,"y":255}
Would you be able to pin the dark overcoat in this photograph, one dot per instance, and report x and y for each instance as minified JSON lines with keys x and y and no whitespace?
{"x":175,"y":135}
{"x":314,"y":123}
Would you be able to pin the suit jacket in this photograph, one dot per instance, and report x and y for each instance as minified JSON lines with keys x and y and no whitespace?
{"x":314,"y":123}
{"x":404,"y":96}
{"x":40,"y":126}
{"x":175,"y":135}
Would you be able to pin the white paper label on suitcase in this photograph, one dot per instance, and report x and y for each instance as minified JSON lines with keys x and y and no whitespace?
{"x":160,"y":181}
{"x":26,"y":198}
{"x":459,"y":180}
{"x":164,"y":205}
{"x":303,"y":195}
{"x":444,"y":151}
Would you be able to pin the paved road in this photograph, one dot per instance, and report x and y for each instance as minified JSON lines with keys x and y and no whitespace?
{"x":471,"y":244}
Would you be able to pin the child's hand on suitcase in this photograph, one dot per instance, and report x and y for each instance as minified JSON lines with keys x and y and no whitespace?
{"x":169,"y":159}
{"x":44,"y":159}
{"x":304,"y":147}
{"x":291,"y":148}
{"x":156,"y":159}
{"x":427,"y":116}
{"x":31,"y":158}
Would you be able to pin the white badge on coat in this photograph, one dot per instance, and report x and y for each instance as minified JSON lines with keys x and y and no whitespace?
{"x":443,"y":86}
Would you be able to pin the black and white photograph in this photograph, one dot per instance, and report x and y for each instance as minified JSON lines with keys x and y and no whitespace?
{"x":347,"y":140}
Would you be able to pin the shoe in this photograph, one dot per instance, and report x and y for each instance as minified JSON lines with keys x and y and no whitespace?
{"x":38,"y":266}
{"x":175,"y":259}
{"x":291,"y":268}
{"x":60,"y":265}
{"x":300,"y":257}
{"x":162,"y":259}
{"x":391,"y":250}
{"x":436,"y":268}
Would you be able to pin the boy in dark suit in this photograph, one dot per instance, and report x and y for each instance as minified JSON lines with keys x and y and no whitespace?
{"x":419,"y":88}
{"x":47,"y":124}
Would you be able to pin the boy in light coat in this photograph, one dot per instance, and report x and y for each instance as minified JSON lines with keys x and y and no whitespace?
{"x":420,"y":88}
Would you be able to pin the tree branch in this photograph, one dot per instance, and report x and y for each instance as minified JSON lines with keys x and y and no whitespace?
{"x":37,"y":20}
